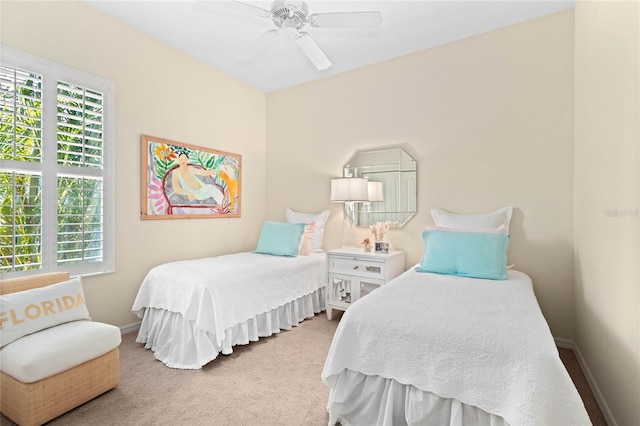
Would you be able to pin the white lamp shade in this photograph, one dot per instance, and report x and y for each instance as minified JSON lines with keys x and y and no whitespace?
{"x":375,"y":191}
{"x":349,"y":189}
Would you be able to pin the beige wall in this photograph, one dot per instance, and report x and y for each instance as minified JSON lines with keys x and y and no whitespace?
{"x":163,"y":93}
{"x":607,"y":184}
{"x":489,"y":121}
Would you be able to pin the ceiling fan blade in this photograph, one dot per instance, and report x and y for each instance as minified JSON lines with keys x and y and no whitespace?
{"x":313,"y":51}
{"x":259,"y":46}
{"x":346,"y":20}
{"x":239,"y":6}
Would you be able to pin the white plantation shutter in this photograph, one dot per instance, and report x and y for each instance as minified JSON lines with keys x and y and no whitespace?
{"x":80,"y":126}
{"x":21,"y":108}
{"x":79,"y":133}
{"x":60,"y":166}
{"x":21,"y":233}
{"x":21,"y":172}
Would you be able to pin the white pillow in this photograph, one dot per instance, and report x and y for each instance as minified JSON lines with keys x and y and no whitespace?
{"x":445,"y":219}
{"x":29,"y":311}
{"x":319,"y":218}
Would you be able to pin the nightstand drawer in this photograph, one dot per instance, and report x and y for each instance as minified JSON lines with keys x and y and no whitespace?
{"x":353,"y":266}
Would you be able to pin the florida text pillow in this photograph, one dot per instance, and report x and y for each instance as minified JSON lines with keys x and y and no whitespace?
{"x":26,"y":312}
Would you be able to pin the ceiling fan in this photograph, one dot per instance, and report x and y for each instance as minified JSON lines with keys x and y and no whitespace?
{"x":290,"y":17}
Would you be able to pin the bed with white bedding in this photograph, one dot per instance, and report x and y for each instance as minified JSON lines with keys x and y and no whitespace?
{"x":437,"y":349}
{"x":193,"y":310}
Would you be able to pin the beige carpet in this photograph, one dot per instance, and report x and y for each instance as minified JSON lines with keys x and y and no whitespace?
{"x":275,"y":381}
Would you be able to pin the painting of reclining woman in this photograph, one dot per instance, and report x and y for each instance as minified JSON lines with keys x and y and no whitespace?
{"x":187,"y":181}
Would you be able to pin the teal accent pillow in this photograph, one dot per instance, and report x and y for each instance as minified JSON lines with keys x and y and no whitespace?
{"x":465,"y":254}
{"x":280,"y":239}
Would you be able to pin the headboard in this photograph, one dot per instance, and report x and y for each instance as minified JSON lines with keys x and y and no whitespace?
{"x":34,"y":281}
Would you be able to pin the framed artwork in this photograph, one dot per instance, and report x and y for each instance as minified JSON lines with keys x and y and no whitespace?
{"x":181,"y":181}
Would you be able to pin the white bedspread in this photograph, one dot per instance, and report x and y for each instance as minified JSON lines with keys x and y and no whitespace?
{"x":482,"y":342}
{"x":221,"y":292}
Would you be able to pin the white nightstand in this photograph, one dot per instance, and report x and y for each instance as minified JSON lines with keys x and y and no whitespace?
{"x":353,"y":273}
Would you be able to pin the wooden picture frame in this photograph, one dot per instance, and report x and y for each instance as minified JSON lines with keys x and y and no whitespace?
{"x":182,"y":181}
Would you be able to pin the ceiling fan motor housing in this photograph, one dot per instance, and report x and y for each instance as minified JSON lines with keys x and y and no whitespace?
{"x":290,"y":14}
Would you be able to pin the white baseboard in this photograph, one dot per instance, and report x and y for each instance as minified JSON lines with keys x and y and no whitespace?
{"x":606,"y":412}
{"x":129,"y":328}
{"x":564,"y":343}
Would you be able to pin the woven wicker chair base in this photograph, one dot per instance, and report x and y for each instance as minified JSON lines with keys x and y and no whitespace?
{"x":29,"y":404}
{"x":36,"y":403}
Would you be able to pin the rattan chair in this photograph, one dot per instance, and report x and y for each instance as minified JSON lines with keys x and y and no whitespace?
{"x":36,"y":403}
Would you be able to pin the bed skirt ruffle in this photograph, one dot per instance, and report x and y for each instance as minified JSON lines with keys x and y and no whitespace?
{"x":354,"y":394}
{"x":179,"y":343}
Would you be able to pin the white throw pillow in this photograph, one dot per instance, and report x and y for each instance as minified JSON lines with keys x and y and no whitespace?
{"x":319,"y":218}
{"x":445,"y":219}
{"x":29,"y":311}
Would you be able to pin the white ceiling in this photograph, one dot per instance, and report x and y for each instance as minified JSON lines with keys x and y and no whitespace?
{"x":215,"y":35}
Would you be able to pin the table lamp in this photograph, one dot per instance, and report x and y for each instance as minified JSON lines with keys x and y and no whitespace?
{"x":349,"y":190}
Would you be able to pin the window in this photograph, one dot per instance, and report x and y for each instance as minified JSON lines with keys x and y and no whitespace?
{"x":56,"y":168}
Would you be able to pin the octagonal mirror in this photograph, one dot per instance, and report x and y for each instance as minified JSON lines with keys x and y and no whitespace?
{"x":392,"y":171}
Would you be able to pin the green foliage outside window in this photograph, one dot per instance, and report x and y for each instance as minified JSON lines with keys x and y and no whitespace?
{"x":79,"y":224}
